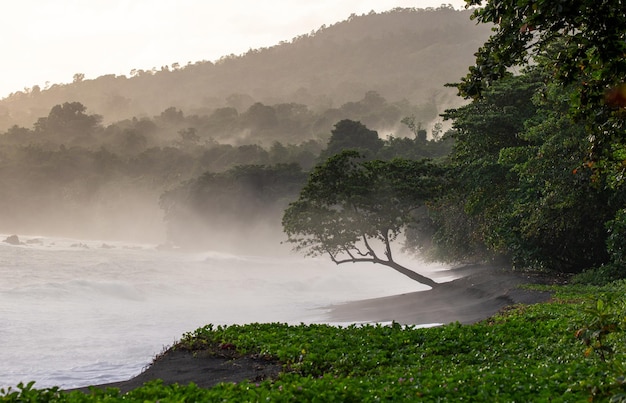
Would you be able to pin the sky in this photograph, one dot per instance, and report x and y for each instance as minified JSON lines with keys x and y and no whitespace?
{"x":47,"y":42}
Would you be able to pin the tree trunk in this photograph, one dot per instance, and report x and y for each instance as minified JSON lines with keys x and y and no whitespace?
{"x":411,"y":274}
{"x":389,"y":263}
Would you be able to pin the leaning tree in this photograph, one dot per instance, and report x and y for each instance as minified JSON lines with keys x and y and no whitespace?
{"x":353,"y":209}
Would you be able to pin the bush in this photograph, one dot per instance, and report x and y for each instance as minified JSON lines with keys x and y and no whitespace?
{"x":602,"y":275}
{"x":615,"y":241}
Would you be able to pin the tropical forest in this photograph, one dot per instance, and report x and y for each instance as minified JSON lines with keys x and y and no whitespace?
{"x":493,"y":135}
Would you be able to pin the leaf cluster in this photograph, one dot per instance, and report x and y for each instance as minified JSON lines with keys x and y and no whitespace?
{"x":584,"y":39}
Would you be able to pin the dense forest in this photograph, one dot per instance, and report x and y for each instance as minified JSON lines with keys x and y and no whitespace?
{"x":72,"y":175}
{"x":539,"y":157}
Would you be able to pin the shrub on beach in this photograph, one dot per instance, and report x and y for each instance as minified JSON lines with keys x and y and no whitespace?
{"x":599,"y":276}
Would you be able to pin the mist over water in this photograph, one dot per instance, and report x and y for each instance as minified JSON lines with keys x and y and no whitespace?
{"x":76,"y":313}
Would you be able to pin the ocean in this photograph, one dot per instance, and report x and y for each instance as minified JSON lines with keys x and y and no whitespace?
{"x":76,"y":313}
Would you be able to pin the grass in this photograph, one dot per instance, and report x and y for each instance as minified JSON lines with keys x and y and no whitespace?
{"x":570,"y":349}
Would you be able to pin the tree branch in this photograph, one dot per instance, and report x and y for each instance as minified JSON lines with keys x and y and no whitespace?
{"x":356,"y":260}
{"x":399,"y":268}
{"x":371,"y":251}
{"x":332,"y":257}
{"x":387,"y":245}
{"x":358,"y":251}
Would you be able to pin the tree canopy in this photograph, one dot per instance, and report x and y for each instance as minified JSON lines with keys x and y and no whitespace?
{"x":352,"y":209}
{"x":242,"y":205}
{"x":351,"y":135}
{"x":583,"y":45}
{"x":517,"y":188}
{"x":589,"y":37}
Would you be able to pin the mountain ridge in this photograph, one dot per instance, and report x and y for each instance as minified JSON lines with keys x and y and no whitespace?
{"x":402,"y":54}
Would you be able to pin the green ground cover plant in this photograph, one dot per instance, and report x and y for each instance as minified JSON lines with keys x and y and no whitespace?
{"x":569,"y":349}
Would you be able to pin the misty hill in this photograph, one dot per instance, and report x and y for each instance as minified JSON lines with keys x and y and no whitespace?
{"x":121,"y":157}
{"x":402,"y":54}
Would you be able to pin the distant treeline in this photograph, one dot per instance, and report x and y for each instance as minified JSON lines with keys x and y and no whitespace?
{"x":69,"y":173}
{"x":270,"y":126}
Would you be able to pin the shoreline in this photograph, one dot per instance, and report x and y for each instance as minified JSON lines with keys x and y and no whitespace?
{"x":478,"y":293}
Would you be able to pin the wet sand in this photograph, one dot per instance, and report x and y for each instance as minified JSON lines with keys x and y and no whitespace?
{"x":478,"y":293}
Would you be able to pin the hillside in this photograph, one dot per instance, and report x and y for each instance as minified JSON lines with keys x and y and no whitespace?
{"x":402,"y":54}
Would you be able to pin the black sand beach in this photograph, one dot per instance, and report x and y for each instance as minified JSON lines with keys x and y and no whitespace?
{"x":478,"y":293}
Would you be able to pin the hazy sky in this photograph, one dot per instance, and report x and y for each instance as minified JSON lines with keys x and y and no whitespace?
{"x":49,"y":41}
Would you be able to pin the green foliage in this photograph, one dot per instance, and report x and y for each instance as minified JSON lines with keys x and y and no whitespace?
{"x":603,"y":333}
{"x":601,"y":323}
{"x":563,"y":180}
{"x":347,"y":197}
{"x":520,"y":187}
{"x":351,"y":135}
{"x":570,"y":349}
{"x":602,"y":275}
{"x":27,"y":393}
{"x":588,"y":34}
{"x":410,"y":148}
{"x":351,"y":206}
{"x":561,"y":209}
{"x":475,"y":218}
{"x":615,"y":241}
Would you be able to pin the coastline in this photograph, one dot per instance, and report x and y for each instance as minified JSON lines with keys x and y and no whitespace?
{"x":478,"y":293}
